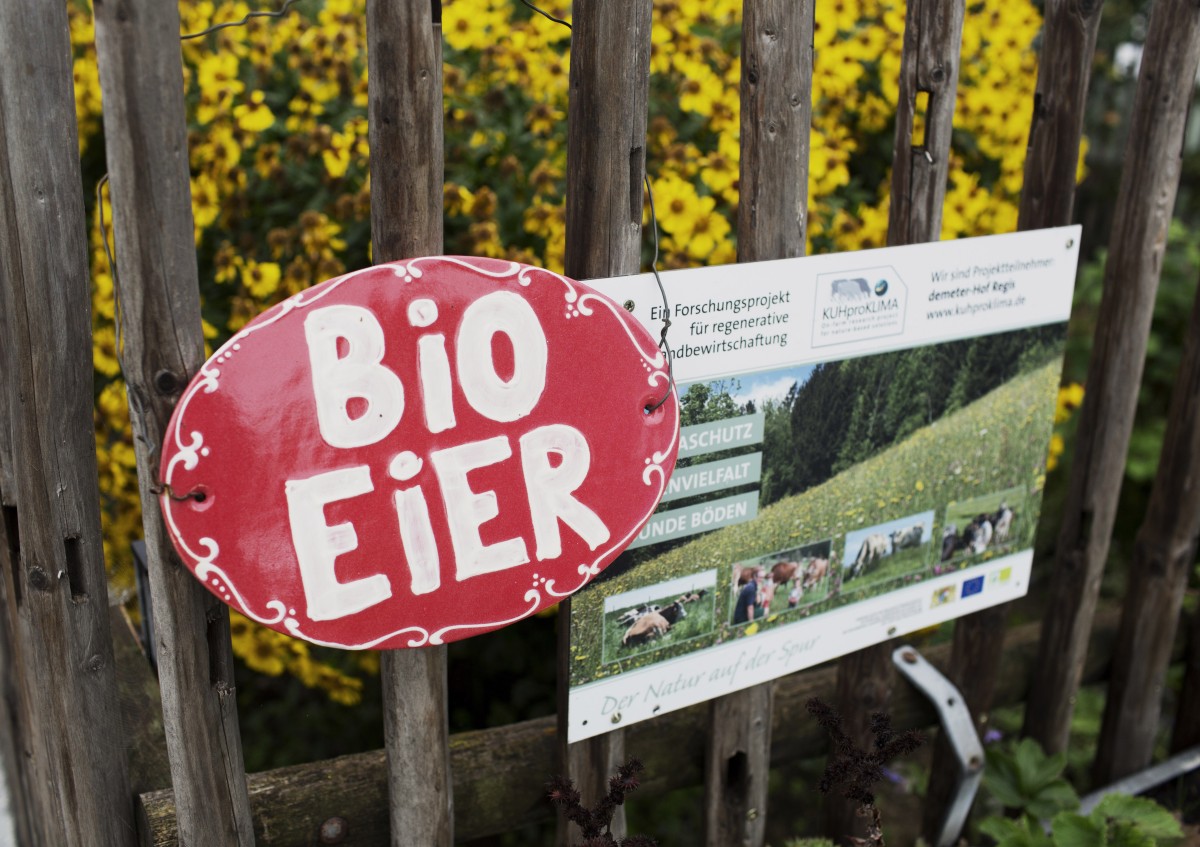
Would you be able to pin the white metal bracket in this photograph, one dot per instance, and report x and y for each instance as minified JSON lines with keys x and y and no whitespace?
{"x":959,"y":728}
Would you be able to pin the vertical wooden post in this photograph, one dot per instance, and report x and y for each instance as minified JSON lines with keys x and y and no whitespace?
{"x":776,"y":117}
{"x":14,"y":705}
{"x":78,"y":775}
{"x":1163,"y":555}
{"x":606,"y":162}
{"x":929,"y":63}
{"x":1047,"y":198}
{"x":404,"y":50}
{"x":141,"y":79}
{"x":1064,"y":71}
{"x":1149,"y":181}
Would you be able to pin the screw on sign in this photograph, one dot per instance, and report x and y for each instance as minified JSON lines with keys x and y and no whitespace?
{"x":419,"y":452}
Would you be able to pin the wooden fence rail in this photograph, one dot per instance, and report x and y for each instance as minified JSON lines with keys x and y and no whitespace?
{"x":62,"y":741}
{"x":499,"y":773}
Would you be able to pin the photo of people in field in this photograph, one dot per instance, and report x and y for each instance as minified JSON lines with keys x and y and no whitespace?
{"x":657,"y":616}
{"x":780,"y":582}
{"x":898,"y":459}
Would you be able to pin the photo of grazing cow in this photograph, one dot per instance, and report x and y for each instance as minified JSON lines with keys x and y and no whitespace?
{"x":645,"y":628}
{"x":911,"y":536}
{"x":1002,"y":523}
{"x":873,"y":549}
{"x":658,"y":616}
{"x":892,"y":550}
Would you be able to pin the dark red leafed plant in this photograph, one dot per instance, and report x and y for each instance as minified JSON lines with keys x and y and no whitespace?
{"x":596,"y":823}
{"x":855,"y":771}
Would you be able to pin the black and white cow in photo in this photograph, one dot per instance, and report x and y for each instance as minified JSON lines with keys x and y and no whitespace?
{"x":630,"y":615}
{"x":983,"y":533}
{"x":910,"y":536}
{"x":1002,"y":524}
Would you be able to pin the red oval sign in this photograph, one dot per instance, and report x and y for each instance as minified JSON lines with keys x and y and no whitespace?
{"x":418,"y":452}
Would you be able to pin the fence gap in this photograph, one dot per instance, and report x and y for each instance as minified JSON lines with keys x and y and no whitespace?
{"x":1144,"y":204}
{"x":606,"y":142}
{"x":776,"y":118}
{"x":75,"y":765}
{"x":1186,"y":731}
{"x":1163,"y":556}
{"x":929,"y":63}
{"x":1047,"y":199}
{"x":404,"y":54}
{"x":141,"y":80}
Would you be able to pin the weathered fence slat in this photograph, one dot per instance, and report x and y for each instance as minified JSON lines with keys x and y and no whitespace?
{"x":405,"y":115}
{"x":1047,"y":198}
{"x":929,"y":63}
{"x":776,"y":118}
{"x":1064,"y":71}
{"x":14,"y":703}
{"x":499,"y":773}
{"x":1145,"y":200}
{"x":606,"y":162}
{"x":865,"y":685}
{"x":737,"y":762}
{"x":141,"y":79}
{"x":1163,"y":555}
{"x":77,"y":770}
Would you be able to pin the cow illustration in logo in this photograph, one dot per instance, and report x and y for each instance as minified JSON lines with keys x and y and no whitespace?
{"x":850,"y":290}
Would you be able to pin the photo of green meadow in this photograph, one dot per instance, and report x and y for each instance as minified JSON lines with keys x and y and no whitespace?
{"x":934,"y":436}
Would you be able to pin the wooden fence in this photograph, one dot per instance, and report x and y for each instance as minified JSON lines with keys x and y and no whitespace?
{"x":80,"y":774}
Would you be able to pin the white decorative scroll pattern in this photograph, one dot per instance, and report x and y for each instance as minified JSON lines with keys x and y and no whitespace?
{"x":190,"y":453}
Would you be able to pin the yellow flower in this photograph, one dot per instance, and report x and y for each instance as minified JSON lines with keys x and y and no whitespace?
{"x":706,"y":229}
{"x":675,"y":203}
{"x":254,"y":116}
{"x":1056,"y":450}
{"x":261,"y":279}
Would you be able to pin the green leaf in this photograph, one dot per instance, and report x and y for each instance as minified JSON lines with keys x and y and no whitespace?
{"x":1054,"y":798}
{"x":1073,"y":830}
{"x":1008,"y":832}
{"x":1128,"y":835}
{"x":1005,"y":789}
{"x":1146,"y":815}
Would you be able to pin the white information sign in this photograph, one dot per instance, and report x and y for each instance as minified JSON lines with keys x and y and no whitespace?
{"x":862,"y":455}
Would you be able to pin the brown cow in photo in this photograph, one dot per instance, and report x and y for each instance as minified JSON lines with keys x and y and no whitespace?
{"x":652,"y":625}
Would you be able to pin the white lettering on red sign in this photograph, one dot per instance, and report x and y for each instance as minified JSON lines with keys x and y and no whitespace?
{"x":346,"y":350}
